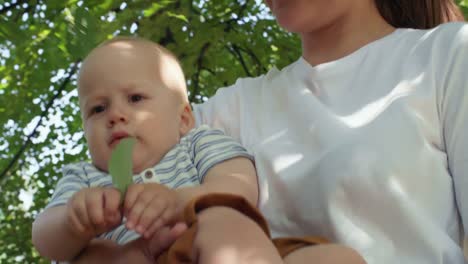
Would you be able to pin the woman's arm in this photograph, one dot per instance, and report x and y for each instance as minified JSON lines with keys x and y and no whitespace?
{"x":454,"y":119}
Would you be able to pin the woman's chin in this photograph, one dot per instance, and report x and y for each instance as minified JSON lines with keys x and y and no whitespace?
{"x":291,"y":24}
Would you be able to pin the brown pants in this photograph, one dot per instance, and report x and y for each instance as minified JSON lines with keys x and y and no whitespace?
{"x":181,"y":251}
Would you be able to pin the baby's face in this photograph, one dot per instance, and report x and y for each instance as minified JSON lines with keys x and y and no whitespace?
{"x":124,"y":92}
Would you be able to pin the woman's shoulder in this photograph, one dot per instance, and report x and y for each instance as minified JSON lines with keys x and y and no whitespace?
{"x":447,"y":34}
{"x":234,"y":103}
{"x":453,"y":32}
{"x":251,"y":86}
{"x":440,"y":43}
{"x":450,"y":40}
{"x":450,"y":28}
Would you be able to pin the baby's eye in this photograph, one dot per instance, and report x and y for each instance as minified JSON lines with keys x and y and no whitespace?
{"x":136,"y":98}
{"x":97,"y":109}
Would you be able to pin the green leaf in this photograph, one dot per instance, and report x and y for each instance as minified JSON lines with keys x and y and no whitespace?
{"x":178,"y":16}
{"x":120,"y":164}
{"x":153,"y":9}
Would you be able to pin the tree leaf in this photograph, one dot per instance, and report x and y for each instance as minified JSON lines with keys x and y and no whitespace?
{"x":121,"y":166}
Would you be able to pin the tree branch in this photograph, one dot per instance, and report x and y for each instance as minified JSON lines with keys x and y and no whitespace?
{"x":168,"y":38}
{"x":254,"y":57}
{"x":196,"y":81}
{"x":18,"y":154}
{"x":236,"y":52}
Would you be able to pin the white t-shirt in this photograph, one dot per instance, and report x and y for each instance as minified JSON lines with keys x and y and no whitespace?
{"x":370,"y":150}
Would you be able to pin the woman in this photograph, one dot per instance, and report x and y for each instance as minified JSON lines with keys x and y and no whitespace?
{"x":362,"y":140}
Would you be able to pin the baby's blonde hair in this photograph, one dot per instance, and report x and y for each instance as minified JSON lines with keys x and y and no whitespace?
{"x":161,"y":51}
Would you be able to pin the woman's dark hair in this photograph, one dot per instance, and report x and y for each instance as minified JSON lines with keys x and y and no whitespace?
{"x":419,"y":14}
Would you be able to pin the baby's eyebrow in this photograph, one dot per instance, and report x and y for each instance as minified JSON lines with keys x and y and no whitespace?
{"x":132,"y":87}
{"x":92,"y":100}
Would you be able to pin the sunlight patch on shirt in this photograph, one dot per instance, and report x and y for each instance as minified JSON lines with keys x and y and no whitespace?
{"x":372,"y":110}
{"x":284,"y":161}
{"x":395,"y":186}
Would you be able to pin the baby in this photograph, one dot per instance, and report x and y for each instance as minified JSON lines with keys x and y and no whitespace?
{"x":131,"y":87}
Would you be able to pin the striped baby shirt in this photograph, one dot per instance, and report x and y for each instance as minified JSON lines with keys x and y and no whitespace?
{"x":186,"y":164}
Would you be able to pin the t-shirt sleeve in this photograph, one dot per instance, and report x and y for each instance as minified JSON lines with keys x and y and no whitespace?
{"x":454,"y":118}
{"x":211,"y":146}
{"x":222,"y":111}
{"x":73,"y":180}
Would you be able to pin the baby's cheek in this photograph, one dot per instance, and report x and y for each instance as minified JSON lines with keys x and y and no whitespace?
{"x":100,"y":158}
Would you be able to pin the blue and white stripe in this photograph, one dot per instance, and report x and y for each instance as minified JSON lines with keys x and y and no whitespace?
{"x":186,"y":164}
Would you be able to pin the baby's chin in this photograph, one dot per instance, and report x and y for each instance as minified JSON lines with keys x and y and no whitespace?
{"x":100,"y":166}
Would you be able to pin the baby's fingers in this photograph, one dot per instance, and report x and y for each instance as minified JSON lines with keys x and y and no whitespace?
{"x":167,"y":217}
{"x":152,"y":214}
{"x":95,"y":207}
{"x":77,"y":214}
{"x":138,"y":209}
{"x":131,"y":197}
{"x":77,"y":221}
{"x":111,"y":206}
{"x":153,"y":228}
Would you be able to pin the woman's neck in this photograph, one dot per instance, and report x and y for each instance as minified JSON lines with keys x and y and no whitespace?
{"x":344,"y":36}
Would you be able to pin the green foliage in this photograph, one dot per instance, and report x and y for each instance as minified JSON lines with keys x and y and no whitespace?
{"x":464,"y":6}
{"x":41,"y":44}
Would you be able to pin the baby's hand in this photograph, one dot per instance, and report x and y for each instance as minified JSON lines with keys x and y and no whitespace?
{"x":93,"y":211}
{"x":149,"y":206}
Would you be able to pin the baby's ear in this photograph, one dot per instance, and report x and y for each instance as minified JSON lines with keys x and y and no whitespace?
{"x":84,"y":129}
{"x":187,"y":121}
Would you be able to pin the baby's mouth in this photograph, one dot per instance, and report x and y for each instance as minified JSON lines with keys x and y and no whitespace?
{"x":116,"y":137}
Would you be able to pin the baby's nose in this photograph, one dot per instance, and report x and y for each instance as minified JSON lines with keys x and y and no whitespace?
{"x":116,"y":115}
